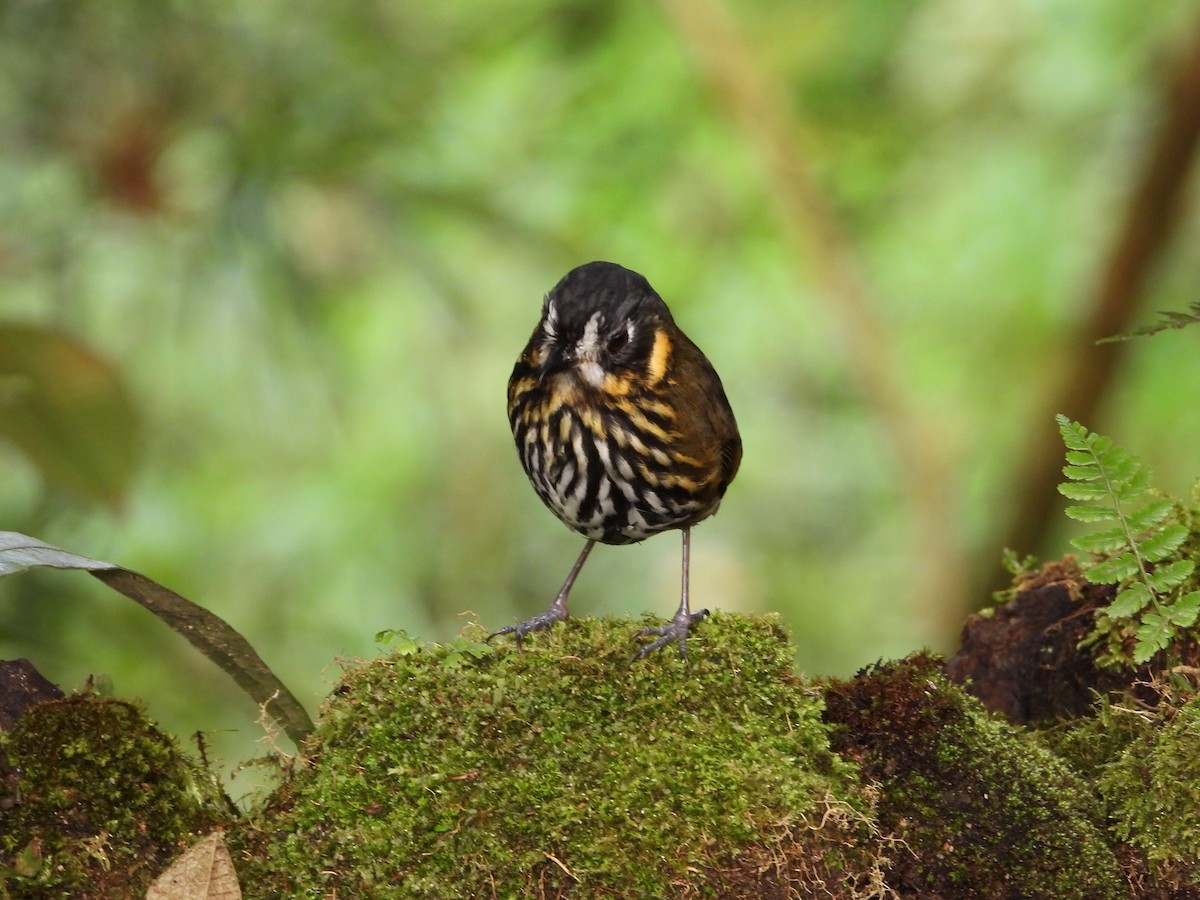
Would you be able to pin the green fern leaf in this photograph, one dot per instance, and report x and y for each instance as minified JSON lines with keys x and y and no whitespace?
{"x":1185,"y":610}
{"x":1082,"y":473}
{"x":1129,"y":602}
{"x":1090,"y":512}
{"x":1082,"y":458}
{"x":1139,"y":549}
{"x":1163,"y":543}
{"x":1151,"y":514}
{"x":1074,"y":435}
{"x":1138,"y":484}
{"x":1100,"y":542}
{"x":1115,"y":570}
{"x":1168,"y":577}
{"x":1087,"y":490}
{"x":1153,"y":634}
{"x":1170,"y":318}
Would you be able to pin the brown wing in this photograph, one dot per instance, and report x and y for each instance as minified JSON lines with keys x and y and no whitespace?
{"x":704,"y":418}
{"x":731,"y":458}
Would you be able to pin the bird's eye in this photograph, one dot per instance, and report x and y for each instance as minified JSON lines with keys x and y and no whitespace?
{"x":618,"y":341}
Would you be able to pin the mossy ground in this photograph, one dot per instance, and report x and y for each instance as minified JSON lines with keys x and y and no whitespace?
{"x":984,"y":812}
{"x":1153,"y":789}
{"x":567,"y":769}
{"x":1140,"y":762}
{"x":101,"y":800}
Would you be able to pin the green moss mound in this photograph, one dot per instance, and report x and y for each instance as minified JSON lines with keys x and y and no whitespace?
{"x":101,"y":800}
{"x":568,"y":771}
{"x":984,"y":812}
{"x":1153,"y":789}
{"x":1137,"y":753}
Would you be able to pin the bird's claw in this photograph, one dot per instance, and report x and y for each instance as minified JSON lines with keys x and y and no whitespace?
{"x":540,"y":622}
{"x":676,"y":630}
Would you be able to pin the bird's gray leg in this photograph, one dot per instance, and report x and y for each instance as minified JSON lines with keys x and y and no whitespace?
{"x":556,"y":612}
{"x":683,"y":619}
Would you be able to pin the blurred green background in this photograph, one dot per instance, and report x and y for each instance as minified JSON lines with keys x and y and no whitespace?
{"x":267,"y":266}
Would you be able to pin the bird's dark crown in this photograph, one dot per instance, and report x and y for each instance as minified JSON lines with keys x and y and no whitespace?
{"x":618,"y":294}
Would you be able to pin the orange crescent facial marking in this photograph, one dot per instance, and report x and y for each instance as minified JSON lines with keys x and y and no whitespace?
{"x":660,"y":357}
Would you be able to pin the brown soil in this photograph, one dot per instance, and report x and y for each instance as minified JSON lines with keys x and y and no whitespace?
{"x":1024,"y":659}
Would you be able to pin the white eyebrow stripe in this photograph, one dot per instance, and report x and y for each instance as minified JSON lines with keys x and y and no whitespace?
{"x":591,"y":334}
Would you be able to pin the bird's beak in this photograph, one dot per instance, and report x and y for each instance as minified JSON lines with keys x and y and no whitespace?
{"x":554,"y":360}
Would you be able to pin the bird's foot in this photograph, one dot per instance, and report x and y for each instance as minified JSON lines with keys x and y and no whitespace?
{"x":676,"y":631}
{"x":540,"y":622}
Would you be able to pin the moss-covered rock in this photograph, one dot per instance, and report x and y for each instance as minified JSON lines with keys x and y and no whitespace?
{"x":1137,"y":756}
{"x":566,"y":770}
{"x":569,"y":770}
{"x":101,"y":800}
{"x":1153,"y":789}
{"x":982,"y":811}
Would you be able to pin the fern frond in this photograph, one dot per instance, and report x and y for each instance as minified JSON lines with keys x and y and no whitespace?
{"x":1168,"y":577}
{"x":1169,"y":319}
{"x":1137,"y":549}
{"x":1151,"y":514}
{"x":1129,"y":602}
{"x":1113,"y":571}
{"x":1098,"y":542}
{"x":1086,"y":490}
{"x":1153,"y":634}
{"x":1158,"y":545}
{"x":1089,"y":512}
{"x":1186,"y":609}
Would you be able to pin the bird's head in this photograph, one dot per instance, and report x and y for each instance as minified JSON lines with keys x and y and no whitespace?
{"x":604,"y":326}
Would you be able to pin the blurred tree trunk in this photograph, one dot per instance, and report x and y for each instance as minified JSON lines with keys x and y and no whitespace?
{"x":753,"y":101}
{"x":1151,"y":219}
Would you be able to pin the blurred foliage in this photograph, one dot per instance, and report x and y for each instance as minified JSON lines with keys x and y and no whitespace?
{"x":67,"y":411}
{"x":304,"y":242}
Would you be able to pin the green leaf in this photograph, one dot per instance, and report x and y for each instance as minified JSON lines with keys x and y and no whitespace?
{"x":1084,"y":491}
{"x":1163,"y":543}
{"x":1149,"y":515}
{"x":469,"y":647}
{"x":1171,"y":575}
{"x":1129,"y":602}
{"x":1184,"y":611}
{"x":1102,"y":541}
{"x":1120,"y":467}
{"x":66,"y":409}
{"x":1113,"y":571}
{"x":1013,"y":563}
{"x":1082,"y":473}
{"x":1090,"y":512}
{"x":1081,"y":458}
{"x":1136,"y":485}
{"x":1066,"y":427}
{"x":1074,"y":435}
{"x":1171,"y":318}
{"x":404,"y":644}
{"x":1153,"y":634}
{"x":204,"y":630}
{"x":1121,"y":463}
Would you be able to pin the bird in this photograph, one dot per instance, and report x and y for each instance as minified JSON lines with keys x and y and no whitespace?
{"x":622,"y":426}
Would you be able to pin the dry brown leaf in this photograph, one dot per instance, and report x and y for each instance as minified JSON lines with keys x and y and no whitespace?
{"x":204,"y":872}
